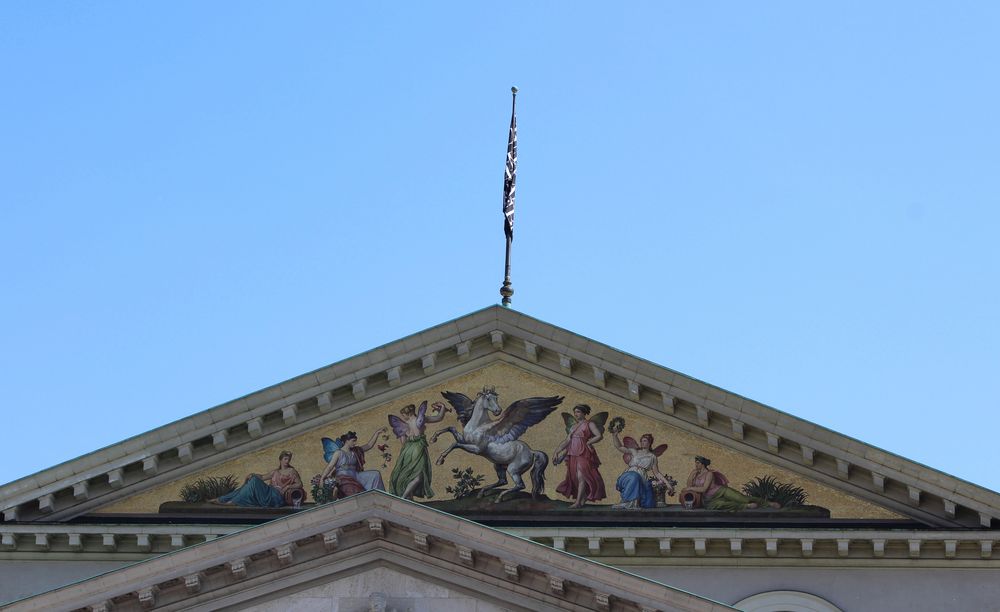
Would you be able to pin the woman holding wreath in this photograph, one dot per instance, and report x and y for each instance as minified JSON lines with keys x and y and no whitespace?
{"x":634,"y":484}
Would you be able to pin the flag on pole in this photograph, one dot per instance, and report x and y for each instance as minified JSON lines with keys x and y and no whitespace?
{"x":510,"y":174}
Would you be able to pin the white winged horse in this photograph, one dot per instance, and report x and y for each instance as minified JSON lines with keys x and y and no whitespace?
{"x":497,"y":440}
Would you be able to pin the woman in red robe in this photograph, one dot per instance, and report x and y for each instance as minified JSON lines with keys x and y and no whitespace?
{"x":583,"y":481}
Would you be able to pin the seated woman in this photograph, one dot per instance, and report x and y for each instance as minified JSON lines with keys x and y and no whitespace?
{"x":634,"y":484}
{"x":346,"y":462}
{"x":709,"y":488}
{"x":285,"y":488}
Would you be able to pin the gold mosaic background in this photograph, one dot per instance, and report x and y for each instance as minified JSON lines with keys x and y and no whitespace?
{"x":512,"y":384}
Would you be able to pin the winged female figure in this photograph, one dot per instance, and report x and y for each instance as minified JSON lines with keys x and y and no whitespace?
{"x":497,"y":440}
{"x":636,"y":483}
{"x":583,"y":481}
{"x":412,"y":475}
{"x":345,"y":463}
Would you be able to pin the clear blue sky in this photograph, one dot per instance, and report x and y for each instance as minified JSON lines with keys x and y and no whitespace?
{"x":797,"y":203}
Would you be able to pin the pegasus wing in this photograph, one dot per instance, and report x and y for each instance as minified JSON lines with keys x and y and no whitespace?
{"x":399,"y":427}
{"x":600,"y":419}
{"x":569,"y":421}
{"x":462,"y":405}
{"x":330,"y":447}
{"x":519,"y":416}
{"x":659,"y":450}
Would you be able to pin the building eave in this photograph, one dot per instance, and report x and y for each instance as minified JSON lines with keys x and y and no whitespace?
{"x":373,"y":527}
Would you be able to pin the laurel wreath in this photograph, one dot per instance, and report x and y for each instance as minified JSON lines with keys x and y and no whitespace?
{"x":617,"y":425}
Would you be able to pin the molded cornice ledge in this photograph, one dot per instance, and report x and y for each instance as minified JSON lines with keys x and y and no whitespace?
{"x":292,"y":553}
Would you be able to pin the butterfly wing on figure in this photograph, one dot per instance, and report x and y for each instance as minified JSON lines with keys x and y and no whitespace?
{"x":330,"y":447}
{"x":600,"y":419}
{"x":719,"y":478}
{"x":629,"y":443}
{"x":659,"y":450}
{"x":421,"y":415}
{"x":519,"y":416}
{"x":570,"y":422}
{"x":399,"y":427}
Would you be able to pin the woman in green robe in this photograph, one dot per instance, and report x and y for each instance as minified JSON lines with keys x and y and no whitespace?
{"x":712,"y":488}
{"x":412,"y":475}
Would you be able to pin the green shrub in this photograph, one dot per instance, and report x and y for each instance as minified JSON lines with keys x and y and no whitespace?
{"x":768,"y":489}
{"x":208,"y":488}
{"x":465,"y":482}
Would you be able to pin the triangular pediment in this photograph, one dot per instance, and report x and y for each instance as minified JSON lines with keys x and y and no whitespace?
{"x":522,"y":357}
{"x":514,"y":382}
{"x":333,"y":553}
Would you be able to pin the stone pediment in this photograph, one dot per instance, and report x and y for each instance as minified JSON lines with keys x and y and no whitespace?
{"x":522,"y":357}
{"x":513,"y":382}
{"x":335,"y":552}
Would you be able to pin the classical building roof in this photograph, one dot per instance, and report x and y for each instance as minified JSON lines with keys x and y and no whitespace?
{"x":373,"y":530}
{"x":495,"y":334}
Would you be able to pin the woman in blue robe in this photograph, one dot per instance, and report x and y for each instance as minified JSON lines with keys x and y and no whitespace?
{"x":285,"y":488}
{"x":634,"y":484}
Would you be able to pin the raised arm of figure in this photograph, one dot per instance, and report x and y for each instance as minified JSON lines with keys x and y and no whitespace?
{"x":438,"y":410}
{"x":618,"y":443}
{"x":371,"y":442}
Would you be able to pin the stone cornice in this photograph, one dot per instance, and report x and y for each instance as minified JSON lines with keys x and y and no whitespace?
{"x":723,"y":546}
{"x":372,"y":528}
{"x":103,"y":542}
{"x":636,"y":545}
{"x":447,"y":350}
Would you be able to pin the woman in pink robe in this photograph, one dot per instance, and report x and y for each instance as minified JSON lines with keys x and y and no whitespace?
{"x":583,"y":481}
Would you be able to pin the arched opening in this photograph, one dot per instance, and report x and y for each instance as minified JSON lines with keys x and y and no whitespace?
{"x":785,"y":601}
